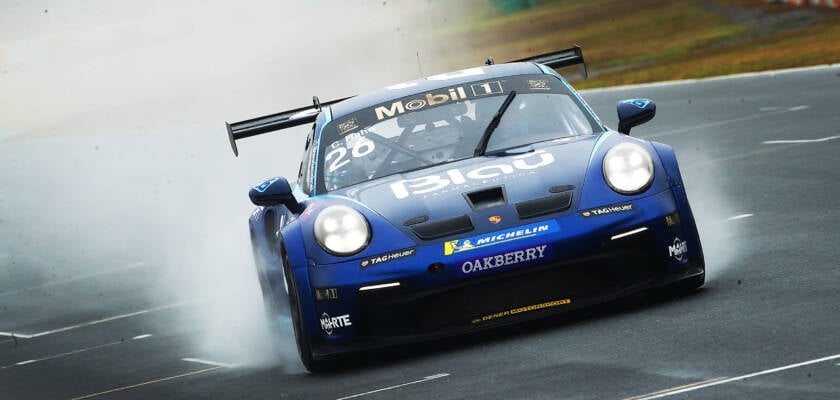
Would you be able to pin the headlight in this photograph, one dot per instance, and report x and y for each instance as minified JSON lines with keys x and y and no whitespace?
{"x":341,"y":230}
{"x":628,"y":168}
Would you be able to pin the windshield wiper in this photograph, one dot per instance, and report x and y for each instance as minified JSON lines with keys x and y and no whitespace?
{"x":482,"y":144}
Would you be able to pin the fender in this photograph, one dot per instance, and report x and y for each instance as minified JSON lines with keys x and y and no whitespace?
{"x":669,"y":162}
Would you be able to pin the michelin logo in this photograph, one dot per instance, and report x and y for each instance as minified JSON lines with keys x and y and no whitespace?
{"x":508,"y":235}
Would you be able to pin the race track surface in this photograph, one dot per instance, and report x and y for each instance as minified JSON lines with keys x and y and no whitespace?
{"x":115,"y":286}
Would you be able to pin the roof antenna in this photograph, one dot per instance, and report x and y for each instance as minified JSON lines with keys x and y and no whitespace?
{"x":317,"y":103}
{"x":489,"y":61}
{"x":420,"y":68}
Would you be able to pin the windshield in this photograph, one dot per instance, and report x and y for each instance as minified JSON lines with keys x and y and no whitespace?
{"x":397,"y":140}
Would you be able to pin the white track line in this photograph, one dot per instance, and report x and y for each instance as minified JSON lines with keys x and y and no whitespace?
{"x":15,"y":335}
{"x":207,"y":362}
{"x":799,"y":141}
{"x":75,"y":278}
{"x":732,"y":218}
{"x":98,"y":321}
{"x":727,"y":121}
{"x":168,"y":378}
{"x":740,"y":216}
{"x":69,"y":353}
{"x":739,"y":378}
{"x":141,"y":337}
{"x":428,"y":378}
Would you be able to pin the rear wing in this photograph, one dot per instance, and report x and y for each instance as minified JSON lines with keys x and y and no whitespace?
{"x":307,"y":115}
{"x":558,"y":59}
{"x":275,"y":122}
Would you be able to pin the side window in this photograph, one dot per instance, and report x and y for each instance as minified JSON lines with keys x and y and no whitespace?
{"x":304,"y":173}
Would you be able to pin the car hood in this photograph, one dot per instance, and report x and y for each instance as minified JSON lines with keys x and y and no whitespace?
{"x":441,"y":192}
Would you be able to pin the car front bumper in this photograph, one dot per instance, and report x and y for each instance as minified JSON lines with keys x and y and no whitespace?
{"x":587,"y":260}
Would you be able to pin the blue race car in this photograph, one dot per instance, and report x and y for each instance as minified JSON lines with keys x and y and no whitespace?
{"x":464,"y":201}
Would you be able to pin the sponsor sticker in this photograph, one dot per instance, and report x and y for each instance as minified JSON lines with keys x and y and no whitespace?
{"x":516,"y":257}
{"x":381,"y":258}
{"x":427,"y":100}
{"x":347,"y":125}
{"x":641,"y":103}
{"x":495,"y":219}
{"x":456,"y":179}
{"x":538,"y":84}
{"x":678,"y":249}
{"x":599,"y":211}
{"x":326,"y":294}
{"x":487,"y":88}
{"x":263,"y":186}
{"x":520,"y":310}
{"x":329,"y":324}
{"x":504,"y":236}
{"x":672,"y":219}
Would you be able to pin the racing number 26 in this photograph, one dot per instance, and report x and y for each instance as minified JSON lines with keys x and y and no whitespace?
{"x":337,"y":157}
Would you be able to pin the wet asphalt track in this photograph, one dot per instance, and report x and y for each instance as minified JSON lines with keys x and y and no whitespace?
{"x":768,"y":213}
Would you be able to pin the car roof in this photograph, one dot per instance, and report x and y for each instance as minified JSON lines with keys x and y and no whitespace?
{"x":431,"y":83}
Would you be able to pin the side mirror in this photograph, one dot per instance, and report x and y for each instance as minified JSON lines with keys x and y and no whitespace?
{"x":634,"y":112}
{"x":273,"y":192}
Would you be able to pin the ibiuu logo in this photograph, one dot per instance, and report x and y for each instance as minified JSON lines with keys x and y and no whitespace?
{"x":432,"y":183}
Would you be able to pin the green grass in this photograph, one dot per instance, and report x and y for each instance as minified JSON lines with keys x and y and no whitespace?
{"x":650,"y":40}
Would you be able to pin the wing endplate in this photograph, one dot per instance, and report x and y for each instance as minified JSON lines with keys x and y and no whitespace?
{"x":561,"y":58}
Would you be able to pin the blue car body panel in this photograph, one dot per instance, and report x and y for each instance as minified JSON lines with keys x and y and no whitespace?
{"x":600,"y":229}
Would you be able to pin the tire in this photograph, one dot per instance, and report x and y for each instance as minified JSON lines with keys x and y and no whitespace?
{"x":301,"y":338}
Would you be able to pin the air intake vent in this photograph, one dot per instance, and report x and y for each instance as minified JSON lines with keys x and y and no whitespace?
{"x":486,"y":198}
{"x":443,"y":228}
{"x":545,"y":205}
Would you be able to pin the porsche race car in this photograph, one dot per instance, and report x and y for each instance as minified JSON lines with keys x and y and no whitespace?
{"x":461,"y":202}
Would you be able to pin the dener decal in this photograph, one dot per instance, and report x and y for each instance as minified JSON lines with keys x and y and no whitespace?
{"x":328,"y":324}
{"x":381,"y":258}
{"x":678,"y":249}
{"x":517,"y":257}
{"x":597,"y":212}
{"x":432,"y":183}
{"x":519,"y":310}
{"x":494,"y":238}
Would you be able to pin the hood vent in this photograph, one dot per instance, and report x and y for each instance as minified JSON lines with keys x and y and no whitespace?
{"x":443,"y":228}
{"x":416,"y":220}
{"x":486,"y":198}
{"x":545,"y":205}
